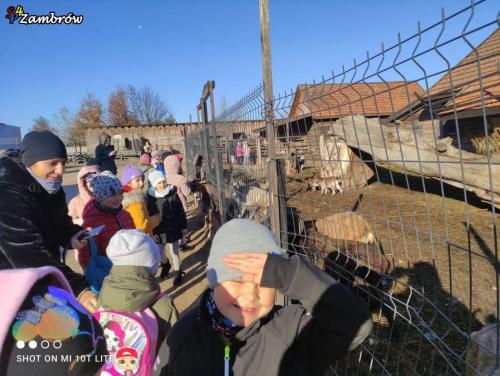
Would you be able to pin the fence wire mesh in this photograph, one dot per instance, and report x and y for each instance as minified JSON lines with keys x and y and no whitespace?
{"x":392,"y":185}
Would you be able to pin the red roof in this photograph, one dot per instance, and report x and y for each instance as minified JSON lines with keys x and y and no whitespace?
{"x":326,"y":101}
{"x":465,"y":82}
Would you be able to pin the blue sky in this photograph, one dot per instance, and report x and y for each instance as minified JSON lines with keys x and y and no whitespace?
{"x":175,"y":46}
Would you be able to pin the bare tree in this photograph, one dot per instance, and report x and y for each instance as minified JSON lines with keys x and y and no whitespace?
{"x":147,"y":106}
{"x":42,"y":124}
{"x":71,"y":134}
{"x":118,"y":109}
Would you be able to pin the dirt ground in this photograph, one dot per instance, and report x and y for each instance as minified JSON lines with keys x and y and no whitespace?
{"x":193,"y":262}
{"x":444,"y":272}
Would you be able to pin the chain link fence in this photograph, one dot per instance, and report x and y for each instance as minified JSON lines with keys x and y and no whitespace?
{"x":389,"y":180}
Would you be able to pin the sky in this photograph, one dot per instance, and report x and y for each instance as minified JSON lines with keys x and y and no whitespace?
{"x":176,"y":46}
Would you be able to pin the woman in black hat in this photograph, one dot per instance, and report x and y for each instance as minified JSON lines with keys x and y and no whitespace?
{"x":105,"y":154}
{"x":34,"y":221}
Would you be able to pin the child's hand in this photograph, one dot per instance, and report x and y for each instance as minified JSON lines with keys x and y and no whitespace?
{"x":76,"y":242}
{"x":250,"y":264}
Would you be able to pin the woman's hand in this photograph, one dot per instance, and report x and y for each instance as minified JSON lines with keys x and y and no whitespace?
{"x":88,"y":300}
{"x":76,"y":243}
{"x":250,"y":264}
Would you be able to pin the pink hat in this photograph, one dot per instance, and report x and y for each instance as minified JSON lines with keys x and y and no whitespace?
{"x":145,"y":159}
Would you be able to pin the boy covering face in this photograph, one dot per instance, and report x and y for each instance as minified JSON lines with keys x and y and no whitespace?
{"x":238,"y":330}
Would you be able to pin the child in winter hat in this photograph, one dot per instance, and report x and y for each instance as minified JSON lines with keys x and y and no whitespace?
{"x":105,"y":209}
{"x":162,"y":199}
{"x":237,"y":328}
{"x":134,"y":248}
{"x":131,"y":286}
{"x":146,"y":168}
{"x":132,"y":180}
{"x":104,"y":186}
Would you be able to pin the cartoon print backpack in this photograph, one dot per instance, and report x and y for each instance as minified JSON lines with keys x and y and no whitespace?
{"x":41,"y":316}
{"x":131,"y":340}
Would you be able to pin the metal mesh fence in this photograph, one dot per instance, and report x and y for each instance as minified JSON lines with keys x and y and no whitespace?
{"x":391,"y":184}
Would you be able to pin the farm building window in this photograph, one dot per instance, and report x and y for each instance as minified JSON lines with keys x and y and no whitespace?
{"x":237,"y":136}
{"x":128,"y":144}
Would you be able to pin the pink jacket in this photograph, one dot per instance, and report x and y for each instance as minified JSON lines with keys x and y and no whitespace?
{"x":239,"y":150}
{"x":172,"y":166}
{"x":77,"y":204}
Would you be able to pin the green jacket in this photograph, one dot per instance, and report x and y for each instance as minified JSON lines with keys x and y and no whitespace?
{"x":132,"y":289}
{"x":146,"y":170}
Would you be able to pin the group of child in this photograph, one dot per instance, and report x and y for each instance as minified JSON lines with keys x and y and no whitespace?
{"x":237,"y":329}
{"x":143,"y":198}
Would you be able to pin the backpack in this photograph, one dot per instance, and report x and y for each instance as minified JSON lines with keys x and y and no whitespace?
{"x":98,"y":267}
{"x":41,"y":318}
{"x":131,"y":340}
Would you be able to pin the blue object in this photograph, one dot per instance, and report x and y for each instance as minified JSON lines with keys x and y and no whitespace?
{"x":97,"y":269}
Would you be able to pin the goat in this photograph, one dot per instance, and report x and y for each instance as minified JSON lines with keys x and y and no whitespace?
{"x":347,"y":226}
{"x":481,"y":355}
{"x":354,"y":257}
{"x":324,"y":184}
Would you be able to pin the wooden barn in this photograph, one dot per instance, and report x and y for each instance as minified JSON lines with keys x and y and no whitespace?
{"x":314,"y":107}
{"x":456,"y":100}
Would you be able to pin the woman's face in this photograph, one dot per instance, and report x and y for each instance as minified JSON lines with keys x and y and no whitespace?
{"x":113,"y":202}
{"x":108,"y":141}
{"x":136,"y":183}
{"x":51,"y":169}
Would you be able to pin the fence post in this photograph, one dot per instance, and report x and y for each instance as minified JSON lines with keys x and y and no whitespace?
{"x":218,"y":157}
{"x":269,"y":116}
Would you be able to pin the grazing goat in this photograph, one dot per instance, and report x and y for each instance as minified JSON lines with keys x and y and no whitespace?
{"x":354,"y":257}
{"x":324,"y":184}
{"x":346,"y":226}
{"x":481,"y":356}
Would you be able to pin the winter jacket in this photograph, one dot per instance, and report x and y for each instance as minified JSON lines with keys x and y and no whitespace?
{"x":77,"y":204}
{"x":133,"y":289}
{"x":239,"y":150}
{"x":292,"y":340}
{"x":106,"y":163}
{"x":172,"y":166}
{"x":93,"y":217}
{"x":33,"y":223}
{"x":146,"y":170}
{"x":134,"y":204}
{"x":173,"y":216}
{"x":160,"y":167}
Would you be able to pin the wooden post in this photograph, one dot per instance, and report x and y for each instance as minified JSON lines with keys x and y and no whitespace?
{"x":219,"y":167}
{"x":259,"y":152}
{"x":269,"y":116}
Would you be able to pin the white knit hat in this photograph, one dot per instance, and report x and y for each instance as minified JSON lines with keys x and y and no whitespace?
{"x":155,"y":177}
{"x":134,"y":248}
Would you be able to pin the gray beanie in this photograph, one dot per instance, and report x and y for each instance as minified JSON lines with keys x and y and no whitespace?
{"x":237,"y":236}
{"x":134,"y":248}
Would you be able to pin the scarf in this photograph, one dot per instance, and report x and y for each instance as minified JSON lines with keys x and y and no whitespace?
{"x":105,"y":209}
{"x":51,"y":186}
{"x":153,"y":192}
{"x":219,"y":323}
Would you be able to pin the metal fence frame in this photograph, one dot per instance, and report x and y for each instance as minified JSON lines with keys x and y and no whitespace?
{"x":416,"y":215}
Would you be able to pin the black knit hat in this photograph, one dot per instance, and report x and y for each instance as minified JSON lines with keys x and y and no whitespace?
{"x":41,"y":146}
